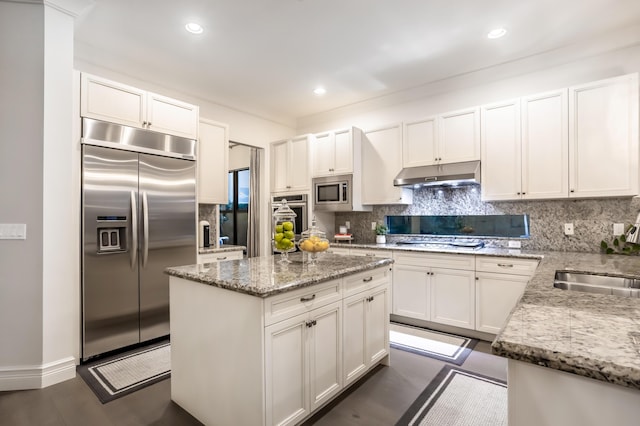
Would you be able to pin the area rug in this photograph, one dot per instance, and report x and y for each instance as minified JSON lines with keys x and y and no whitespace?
{"x":126,"y":373}
{"x":434,"y":344}
{"x":461,"y":398}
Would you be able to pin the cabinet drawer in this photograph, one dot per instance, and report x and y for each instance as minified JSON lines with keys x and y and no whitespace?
{"x":286,"y":305}
{"x":463,"y":262}
{"x":506,"y":265}
{"x":366,"y":280}
{"x":219,"y":257}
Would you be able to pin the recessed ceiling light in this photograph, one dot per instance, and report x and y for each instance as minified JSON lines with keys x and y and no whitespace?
{"x":319,"y":91}
{"x":194,"y":28}
{"x":497,"y":33}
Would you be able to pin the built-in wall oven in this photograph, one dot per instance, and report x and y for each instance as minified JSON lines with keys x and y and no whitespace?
{"x":299,"y":204}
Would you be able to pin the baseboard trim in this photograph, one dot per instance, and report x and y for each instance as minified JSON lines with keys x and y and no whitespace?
{"x":37,"y":376}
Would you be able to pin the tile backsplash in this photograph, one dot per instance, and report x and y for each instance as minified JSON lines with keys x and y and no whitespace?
{"x":593,"y":219}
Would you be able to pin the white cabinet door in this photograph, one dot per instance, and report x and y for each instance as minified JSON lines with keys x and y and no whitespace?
{"x":325,"y":354}
{"x":107,"y":100}
{"x":287,"y":397}
{"x":213,"y":158}
{"x":453,"y":297}
{"x":419,"y":142}
{"x":344,"y":151}
{"x":603,"y":138}
{"x":411,"y":291}
{"x":354,"y":336}
{"x":377,"y":320}
{"x":459,"y":136}
{"x":365,"y":331}
{"x":290,"y":165}
{"x":381,"y":163}
{"x":279,"y":166}
{"x":501,"y":153}
{"x":545,"y":146}
{"x":496,"y":296}
{"x":323,"y":154}
{"x":171,"y":116}
{"x":299,"y":176}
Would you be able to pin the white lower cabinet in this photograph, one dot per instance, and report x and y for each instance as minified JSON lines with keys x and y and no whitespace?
{"x":365,"y":330}
{"x":453,"y":297}
{"x":387,"y":254}
{"x":303,"y":363}
{"x":499,"y":284}
{"x":435,"y":287}
{"x":221,"y":256}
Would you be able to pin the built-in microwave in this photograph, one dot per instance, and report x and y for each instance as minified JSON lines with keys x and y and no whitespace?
{"x":333,"y":193}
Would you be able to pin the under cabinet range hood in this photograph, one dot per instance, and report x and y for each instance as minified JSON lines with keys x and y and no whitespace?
{"x":453,"y":174}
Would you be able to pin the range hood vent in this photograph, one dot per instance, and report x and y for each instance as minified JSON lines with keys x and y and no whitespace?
{"x":454,"y":174}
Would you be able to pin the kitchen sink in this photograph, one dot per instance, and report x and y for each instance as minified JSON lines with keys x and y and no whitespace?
{"x":600,"y":284}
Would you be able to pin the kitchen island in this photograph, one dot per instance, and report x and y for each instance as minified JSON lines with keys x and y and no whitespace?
{"x":256,"y":342}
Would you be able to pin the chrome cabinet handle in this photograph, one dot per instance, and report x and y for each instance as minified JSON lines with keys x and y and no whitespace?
{"x":134,"y":230}
{"x":308,"y":299}
{"x":505,"y":265}
{"x":145,"y":225}
{"x":221,"y":258}
{"x":366,"y":280}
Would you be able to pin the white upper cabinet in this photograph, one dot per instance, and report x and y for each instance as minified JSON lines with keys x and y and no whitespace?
{"x":447,"y":138}
{"x":419,"y":143}
{"x":459,"y":136}
{"x":381,"y":163}
{"x":290,"y":165}
{"x":501,"y":154}
{"x":332,"y":152}
{"x":545,"y":145}
{"x":107,"y":100}
{"x":213,"y":158}
{"x":603,"y":138}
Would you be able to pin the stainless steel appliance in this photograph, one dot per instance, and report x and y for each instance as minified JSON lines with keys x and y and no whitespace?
{"x":139,"y":216}
{"x":299,"y":204}
{"x":453,"y":174}
{"x":337,"y":194}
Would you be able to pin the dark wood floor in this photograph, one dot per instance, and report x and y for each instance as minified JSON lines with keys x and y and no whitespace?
{"x":381,"y":399}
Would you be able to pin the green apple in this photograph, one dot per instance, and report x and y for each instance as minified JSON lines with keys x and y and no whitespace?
{"x":279,"y":236}
{"x":288,"y":226}
{"x":289,"y":234}
{"x":279,"y":228}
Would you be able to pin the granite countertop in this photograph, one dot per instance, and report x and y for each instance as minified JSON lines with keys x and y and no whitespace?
{"x":592,"y":335}
{"x":221,"y":249}
{"x":444,"y":248}
{"x":264,"y":276}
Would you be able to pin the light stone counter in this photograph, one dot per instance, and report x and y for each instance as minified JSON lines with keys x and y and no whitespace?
{"x":221,"y":249}
{"x":264,"y":276}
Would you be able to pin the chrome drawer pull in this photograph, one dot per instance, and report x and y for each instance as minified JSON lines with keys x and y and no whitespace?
{"x":505,"y":265}
{"x":370,"y":254}
{"x":308,"y":299}
{"x":366,"y":280}
{"x":221,"y":258}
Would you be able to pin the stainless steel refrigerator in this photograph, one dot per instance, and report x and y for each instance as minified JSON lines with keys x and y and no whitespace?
{"x":139,"y":217}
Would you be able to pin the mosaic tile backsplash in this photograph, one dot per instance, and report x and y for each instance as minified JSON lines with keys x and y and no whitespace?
{"x":208,"y":212}
{"x":592,"y":219}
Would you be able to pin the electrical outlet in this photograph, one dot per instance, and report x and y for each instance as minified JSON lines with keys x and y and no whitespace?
{"x":373,"y":226}
{"x":618,"y":228}
{"x":13,"y":231}
{"x":568,"y":229}
{"x":515,"y":244}
{"x":347,"y":224}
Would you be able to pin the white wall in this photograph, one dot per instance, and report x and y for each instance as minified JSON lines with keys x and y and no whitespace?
{"x":39,"y":303}
{"x":606,"y":56}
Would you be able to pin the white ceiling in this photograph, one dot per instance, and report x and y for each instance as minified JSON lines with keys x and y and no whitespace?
{"x":267,"y":56}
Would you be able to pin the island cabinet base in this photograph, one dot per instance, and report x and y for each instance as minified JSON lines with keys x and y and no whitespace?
{"x":239,"y":359}
{"x":540,"y":396}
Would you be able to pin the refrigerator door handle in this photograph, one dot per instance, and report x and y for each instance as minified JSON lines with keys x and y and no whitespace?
{"x":145,"y":226}
{"x":134,"y":230}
